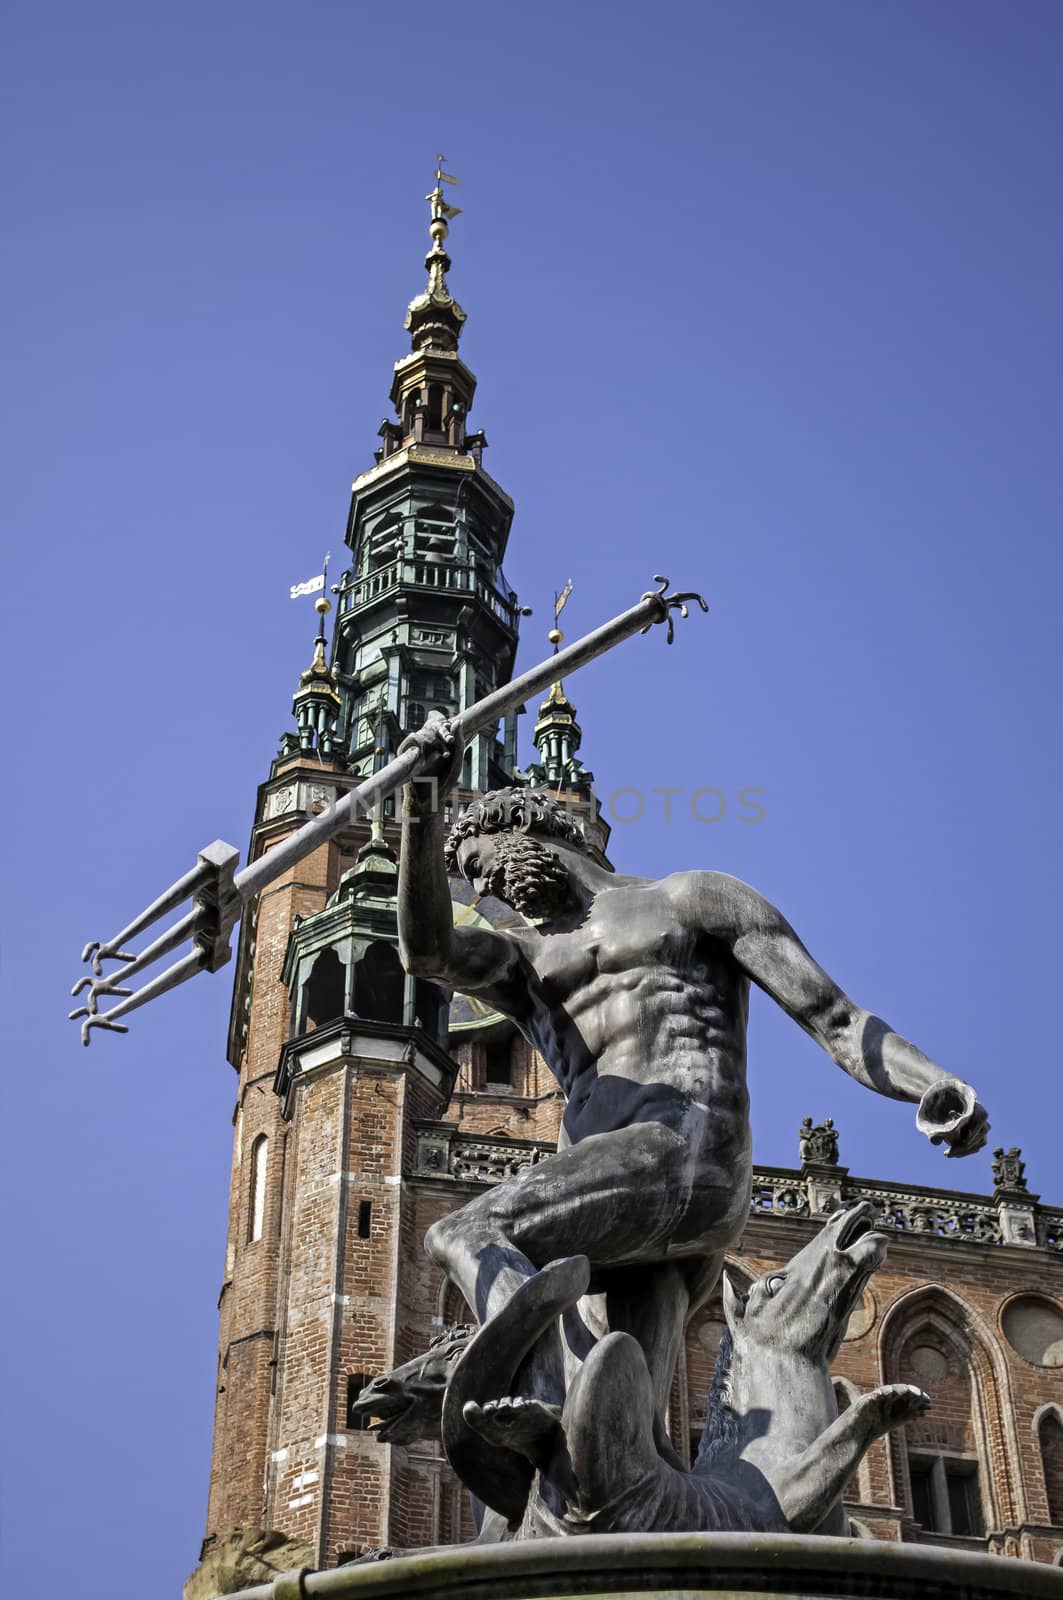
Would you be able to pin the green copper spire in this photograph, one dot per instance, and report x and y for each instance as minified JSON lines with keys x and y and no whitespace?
{"x":426,"y":620}
{"x":316,"y":703}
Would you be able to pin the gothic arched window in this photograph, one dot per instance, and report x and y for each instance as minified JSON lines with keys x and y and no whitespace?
{"x":1050,"y":1439}
{"x":256,"y":1211}
{"x":933,"y":1344}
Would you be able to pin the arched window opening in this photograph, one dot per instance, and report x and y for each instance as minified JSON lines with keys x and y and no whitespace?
{"x":378,"y":984}
{"x":434,"y":416}
{"x":325,"y":989}
{"x":1050,"y":1438}
{"x":256,"y":1212}
{"x":940,"y":1448}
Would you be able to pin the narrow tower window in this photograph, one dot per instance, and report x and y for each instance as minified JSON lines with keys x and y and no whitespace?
{"x":1050,"y":1436}
{"x":257,"y":1209}
{"x":498,"y":1063}
{"x":357,"y":1421}
{"x":365,"y":1218}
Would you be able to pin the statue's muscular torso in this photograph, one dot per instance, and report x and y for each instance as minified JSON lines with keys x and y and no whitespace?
{"x":640,"y":1013}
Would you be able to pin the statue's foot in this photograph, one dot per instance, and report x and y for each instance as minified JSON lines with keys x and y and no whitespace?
{"x":518,"y":1423}
{"x":894,"y":1404}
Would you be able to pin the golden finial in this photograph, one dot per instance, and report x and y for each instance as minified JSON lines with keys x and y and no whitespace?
{"x":422,"y":313}
{"x":321,"y":605}
{"x":555,"y":635}
{"x":442,"y":211}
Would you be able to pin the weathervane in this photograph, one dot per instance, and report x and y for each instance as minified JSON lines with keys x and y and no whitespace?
{"x":442,"y":211}
{"x":555,"y":636}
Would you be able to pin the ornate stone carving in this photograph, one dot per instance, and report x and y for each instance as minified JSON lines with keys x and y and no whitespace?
{"x":281,"y":801}
{"x":1052,"y":1230}
{"x":951,"y":1217}
{"x":490,"y":1161}
{"x":1009,"y":1169}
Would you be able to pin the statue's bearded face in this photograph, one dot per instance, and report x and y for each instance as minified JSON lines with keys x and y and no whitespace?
{"x":513,"y":867}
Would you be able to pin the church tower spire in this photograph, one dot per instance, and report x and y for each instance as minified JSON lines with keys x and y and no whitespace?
{"x":426,"y":620}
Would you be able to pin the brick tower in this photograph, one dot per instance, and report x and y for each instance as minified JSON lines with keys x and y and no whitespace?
{"x":343,"y":1061}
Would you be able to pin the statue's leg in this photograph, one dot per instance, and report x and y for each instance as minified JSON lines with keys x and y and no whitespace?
{"x":616,"y":1197}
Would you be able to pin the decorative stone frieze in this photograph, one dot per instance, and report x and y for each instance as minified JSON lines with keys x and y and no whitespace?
{"x":925,"y":1214}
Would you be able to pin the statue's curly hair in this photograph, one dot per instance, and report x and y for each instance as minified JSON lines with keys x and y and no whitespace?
{"x":513,"y":810}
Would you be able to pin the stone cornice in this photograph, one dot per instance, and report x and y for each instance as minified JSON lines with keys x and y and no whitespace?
{"x":389,"y":1046}
{"x":947,"y":1218}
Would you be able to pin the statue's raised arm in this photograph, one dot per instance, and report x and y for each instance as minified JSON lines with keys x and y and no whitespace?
{"x":477,"y":961}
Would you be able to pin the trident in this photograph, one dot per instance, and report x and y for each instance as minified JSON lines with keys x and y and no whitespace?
{"x":218,"y":893}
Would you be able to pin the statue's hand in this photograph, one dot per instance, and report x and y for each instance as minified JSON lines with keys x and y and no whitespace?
{"x":442,"y":751}
{"x":949,"y":1113}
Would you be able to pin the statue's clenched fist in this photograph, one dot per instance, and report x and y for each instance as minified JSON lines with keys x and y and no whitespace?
{"x":441,"y":750}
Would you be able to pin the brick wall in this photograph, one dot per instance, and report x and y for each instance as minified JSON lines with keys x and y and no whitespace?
{"x":247,"y":1304}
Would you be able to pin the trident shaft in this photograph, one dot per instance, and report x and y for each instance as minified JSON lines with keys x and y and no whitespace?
{"x":218,"y":893}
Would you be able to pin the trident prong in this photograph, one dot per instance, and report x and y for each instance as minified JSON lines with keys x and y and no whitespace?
{"x":669,"y":602}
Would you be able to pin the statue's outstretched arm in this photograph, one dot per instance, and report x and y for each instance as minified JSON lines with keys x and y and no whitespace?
{"x":768,"y":949}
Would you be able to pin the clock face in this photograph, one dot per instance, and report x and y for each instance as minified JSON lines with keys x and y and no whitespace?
{"x":466,"y":1012}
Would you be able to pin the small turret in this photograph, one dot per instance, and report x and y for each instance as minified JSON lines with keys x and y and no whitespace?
{"x":558,"y":735}
{"x":316,"y":703}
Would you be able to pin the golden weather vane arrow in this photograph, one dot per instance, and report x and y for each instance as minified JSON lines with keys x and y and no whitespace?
{"x":218,"y":893}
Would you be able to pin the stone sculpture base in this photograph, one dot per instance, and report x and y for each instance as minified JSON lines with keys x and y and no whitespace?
{"x":679,"y":1566}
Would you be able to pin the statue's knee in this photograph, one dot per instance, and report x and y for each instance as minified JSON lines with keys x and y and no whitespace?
{"x":618,"y":1361}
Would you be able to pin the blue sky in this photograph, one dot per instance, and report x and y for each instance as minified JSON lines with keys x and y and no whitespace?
{"x":764,"y":296}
